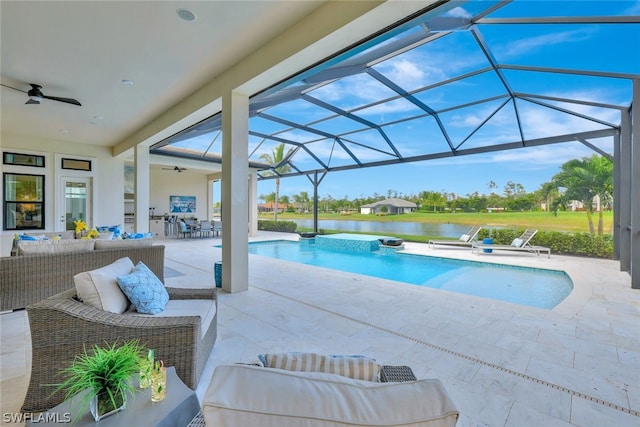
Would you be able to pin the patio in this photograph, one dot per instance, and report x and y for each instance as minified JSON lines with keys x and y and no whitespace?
{"x":503,"y":364}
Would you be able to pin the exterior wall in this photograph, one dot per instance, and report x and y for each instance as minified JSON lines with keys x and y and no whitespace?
{"x":108,"y":184}
{"x":166,"y":183}
{"x":108,"y":180}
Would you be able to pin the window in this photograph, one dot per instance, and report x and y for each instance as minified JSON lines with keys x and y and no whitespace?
{"x":23,"y":201}
{"x":75,"y":164}
{"x":22,"y":159}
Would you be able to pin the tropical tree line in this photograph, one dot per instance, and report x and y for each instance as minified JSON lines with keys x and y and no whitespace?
{"x":586,"y":182}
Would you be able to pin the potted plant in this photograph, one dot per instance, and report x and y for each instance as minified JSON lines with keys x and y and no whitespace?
{"x":103,"y":377}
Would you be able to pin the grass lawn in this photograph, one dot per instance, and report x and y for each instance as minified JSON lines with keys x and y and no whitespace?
{"x":573,"y":222}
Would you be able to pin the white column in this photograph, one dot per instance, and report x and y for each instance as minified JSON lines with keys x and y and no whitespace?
{"x":141,"y":187}
{"x":209,"y":199}
{"x":235,"y":205}
{"x":253,"y":204}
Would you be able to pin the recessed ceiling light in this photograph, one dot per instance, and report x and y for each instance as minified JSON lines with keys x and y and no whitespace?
{"x":186,"y":15}
{"x":97,"y":117}
{"x":64,"y":131}
{"x":127,"y":82}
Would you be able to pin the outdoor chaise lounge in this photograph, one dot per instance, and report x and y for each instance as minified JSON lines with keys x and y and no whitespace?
{"x":296,"y":389}
{"x":519,"y":244}
{"x":465,"y":240}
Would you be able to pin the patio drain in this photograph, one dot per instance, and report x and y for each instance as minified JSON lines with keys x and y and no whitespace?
{"x":469,"y":358}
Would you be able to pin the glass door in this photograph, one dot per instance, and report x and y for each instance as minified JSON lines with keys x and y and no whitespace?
{"x":77,"y":201}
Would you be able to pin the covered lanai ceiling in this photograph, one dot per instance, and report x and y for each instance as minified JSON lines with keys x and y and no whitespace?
{"x":467,"y":77}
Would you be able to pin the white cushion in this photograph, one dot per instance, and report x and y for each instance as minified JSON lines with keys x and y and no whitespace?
{"x":358,"y":367}
{"x":516,"y":243}
{"x":106,"y":235}
{"x":122,"y":243}
{"x":99,"y":288}
{"x":242,"y":395}
{"x":26,"y":247}
{"x":464,"y":238}
{"x":205,"y":308}
{"x":66,"y":245}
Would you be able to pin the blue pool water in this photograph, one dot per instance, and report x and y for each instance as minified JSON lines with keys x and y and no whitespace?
{"x":520,"y":285}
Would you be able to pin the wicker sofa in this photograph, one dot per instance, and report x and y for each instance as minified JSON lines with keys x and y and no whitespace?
{"x":62,"y":326}
{"x":27,"y":279}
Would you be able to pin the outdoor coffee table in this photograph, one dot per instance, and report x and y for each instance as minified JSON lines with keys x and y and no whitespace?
{"x":177,"y":409}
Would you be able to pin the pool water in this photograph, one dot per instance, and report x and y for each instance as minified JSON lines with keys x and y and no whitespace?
{"x":520,"y":285}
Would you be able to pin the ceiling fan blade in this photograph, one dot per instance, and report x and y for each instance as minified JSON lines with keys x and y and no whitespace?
{"x":67,"y":100}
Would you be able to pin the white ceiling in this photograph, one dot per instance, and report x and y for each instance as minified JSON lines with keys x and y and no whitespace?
{"x":84,"y":50}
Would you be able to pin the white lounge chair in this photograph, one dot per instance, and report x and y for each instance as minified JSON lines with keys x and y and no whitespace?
{"x":518,"y":244}
{"x":465,"y":240}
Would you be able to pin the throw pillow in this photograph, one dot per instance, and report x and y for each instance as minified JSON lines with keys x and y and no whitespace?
{"x":115,"y":229}
{"x":516,"y":243}
{"x":357,"y":367}
{"x":145,"y":291}
{"x":99,"y":288}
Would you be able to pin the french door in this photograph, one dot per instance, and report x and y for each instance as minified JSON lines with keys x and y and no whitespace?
{"x":76,"y":199}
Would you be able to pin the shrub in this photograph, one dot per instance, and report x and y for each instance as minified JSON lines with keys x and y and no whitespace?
{"x":282,"y":226}
{"x":582,"y":244}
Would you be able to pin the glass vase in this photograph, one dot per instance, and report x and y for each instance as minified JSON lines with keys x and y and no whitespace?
{"x":101,"y":405}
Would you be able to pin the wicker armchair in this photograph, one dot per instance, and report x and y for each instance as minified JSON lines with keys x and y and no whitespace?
{"x":61,"y":327}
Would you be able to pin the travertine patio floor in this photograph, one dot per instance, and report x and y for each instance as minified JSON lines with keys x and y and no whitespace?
{"x":503,"y":364}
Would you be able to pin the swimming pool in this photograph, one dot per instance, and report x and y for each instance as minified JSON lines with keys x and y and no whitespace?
{"x":520,"y":285}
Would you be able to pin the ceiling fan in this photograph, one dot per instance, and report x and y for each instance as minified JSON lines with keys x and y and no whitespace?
{"x":175,"y":168}
{"x":35,"y":95}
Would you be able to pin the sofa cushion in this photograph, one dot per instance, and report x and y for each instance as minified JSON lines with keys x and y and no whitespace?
{"x":204,"y":308}
{"x":145,"y":291}
{"x":122,"y":243}
{"x":286,"y":398}
{"x":358,"y":367}
{"x":99,"y":288}
{"x":27,"y":247}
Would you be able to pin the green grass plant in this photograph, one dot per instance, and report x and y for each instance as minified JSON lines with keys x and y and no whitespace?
{"x":105,"y":370}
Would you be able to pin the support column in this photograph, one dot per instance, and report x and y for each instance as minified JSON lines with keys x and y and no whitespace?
{"x":315,"y":202}
{"x":209,"y":199}
{"x":635,"y":187}
{"x":141,"y":188}
{"x":616,"y":197}
{"x":253,"y":203}
{"x":625,"y":193}
{"x":234,"y":188}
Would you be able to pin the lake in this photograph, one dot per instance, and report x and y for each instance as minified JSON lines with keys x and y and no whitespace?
{"x":378,"y":227}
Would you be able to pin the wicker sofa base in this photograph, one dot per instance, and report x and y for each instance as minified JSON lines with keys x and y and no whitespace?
{"x":27,"y":279}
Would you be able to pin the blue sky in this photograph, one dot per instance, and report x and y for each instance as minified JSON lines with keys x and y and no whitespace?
{"x":613,"y":48}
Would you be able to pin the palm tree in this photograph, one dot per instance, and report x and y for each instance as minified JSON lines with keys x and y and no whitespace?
{"x":276,"y":157}
{"x":584,"y":179}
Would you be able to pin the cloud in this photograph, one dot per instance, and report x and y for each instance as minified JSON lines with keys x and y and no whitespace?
{"x":633,"y":10}
{"x":459,"y":12}
{"x":527,"y":46}
{"x":406,"y":73}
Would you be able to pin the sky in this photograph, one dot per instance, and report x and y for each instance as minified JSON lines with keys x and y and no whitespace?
{"x":530,"y":167}
{"x":611,"y":48}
